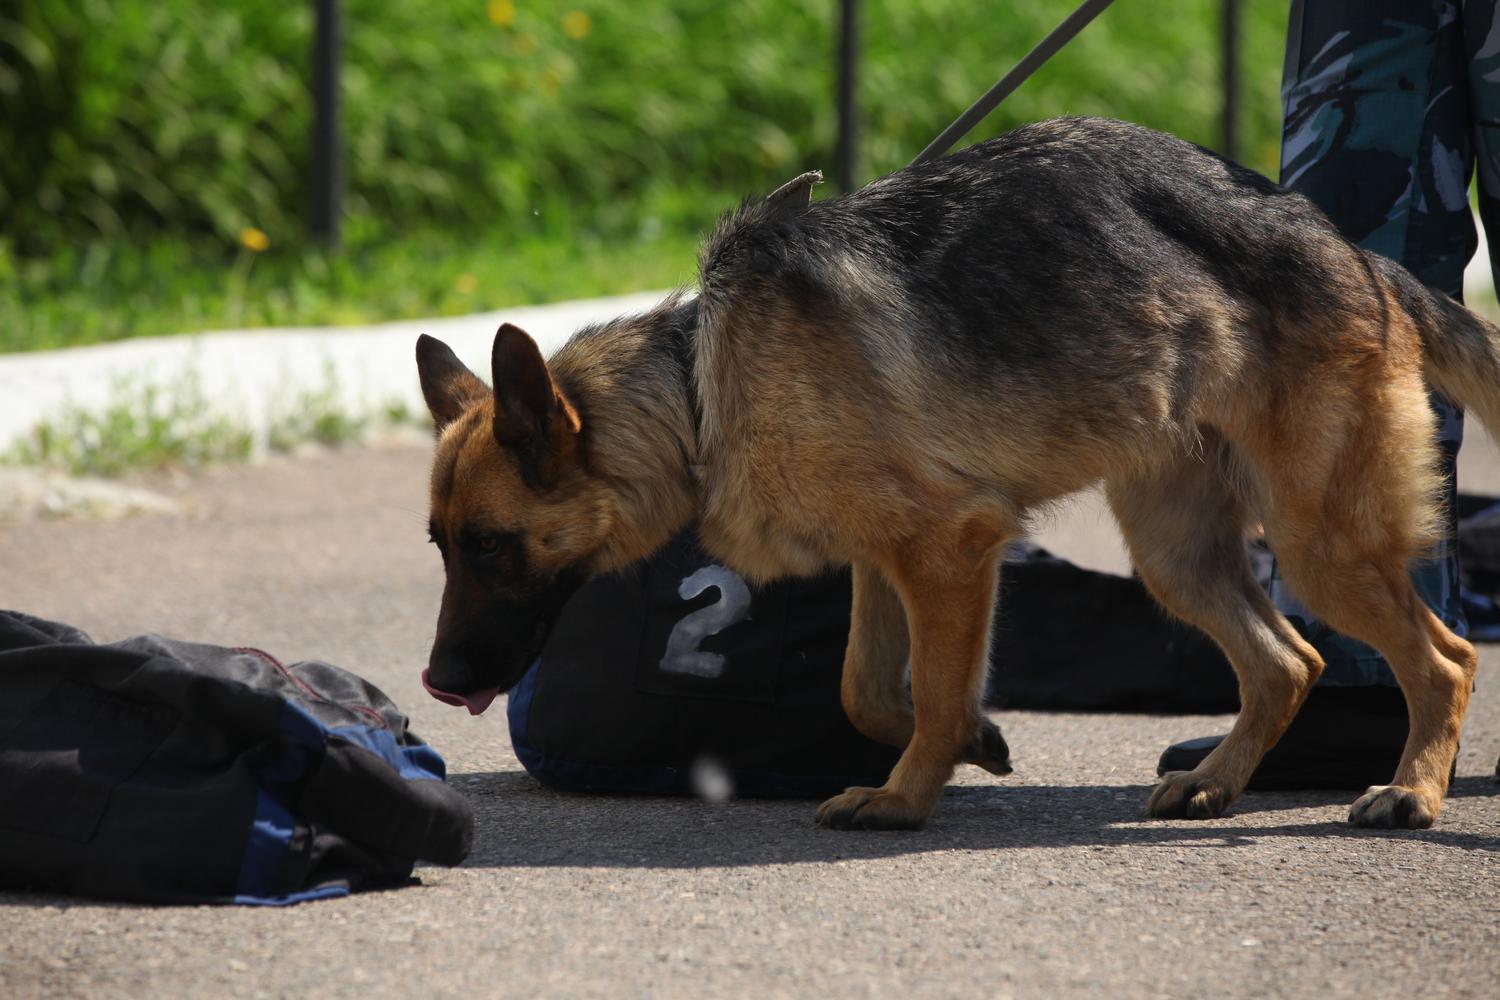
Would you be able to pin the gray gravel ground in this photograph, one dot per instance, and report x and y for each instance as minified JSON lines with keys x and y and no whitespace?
{"x":1048,"y":883}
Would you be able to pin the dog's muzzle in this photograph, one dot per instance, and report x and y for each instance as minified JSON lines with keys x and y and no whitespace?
{"x":475,"y":701}
{"x":494,"y":652}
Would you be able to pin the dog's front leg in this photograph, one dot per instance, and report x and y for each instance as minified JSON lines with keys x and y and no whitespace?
{"x":949,"y":618}
{"x":874,"y":682}
{"x":873,"y":689}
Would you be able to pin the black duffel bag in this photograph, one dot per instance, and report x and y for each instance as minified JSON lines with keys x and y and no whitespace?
{"x":676,"y":668}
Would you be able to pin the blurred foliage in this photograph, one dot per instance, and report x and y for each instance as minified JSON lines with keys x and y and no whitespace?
{"x":154,"y":154}
{"x":133,"y":116}
{"x":127,"y":118}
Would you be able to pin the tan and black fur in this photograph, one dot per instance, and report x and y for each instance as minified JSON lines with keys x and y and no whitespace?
{"x":900,"y":379}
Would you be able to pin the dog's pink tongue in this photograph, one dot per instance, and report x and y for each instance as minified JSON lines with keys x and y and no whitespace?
{"x":475,"y":701}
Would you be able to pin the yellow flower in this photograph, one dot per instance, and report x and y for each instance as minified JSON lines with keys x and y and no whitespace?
{"x":501,"y":12}
{"x":465,"y":284}
{"x":576,"y":24}
{"x":254,"y":239}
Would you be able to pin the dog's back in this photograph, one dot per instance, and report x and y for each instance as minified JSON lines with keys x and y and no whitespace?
{"x":1038,"y":312}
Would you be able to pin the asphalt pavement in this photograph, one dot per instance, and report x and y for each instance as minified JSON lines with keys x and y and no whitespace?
{"x":1048,"y":883}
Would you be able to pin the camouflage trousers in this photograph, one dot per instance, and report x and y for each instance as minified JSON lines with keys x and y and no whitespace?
{"x":1387,"y":107}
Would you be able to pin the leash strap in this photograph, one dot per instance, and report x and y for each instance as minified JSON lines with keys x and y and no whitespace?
{"x":1029,"y":64}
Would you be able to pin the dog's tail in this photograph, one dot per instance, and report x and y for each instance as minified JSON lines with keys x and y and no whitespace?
{"x":1461,"y":350}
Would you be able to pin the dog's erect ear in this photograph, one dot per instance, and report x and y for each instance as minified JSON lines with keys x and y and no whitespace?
{"x":795,"y":193}
{"x":532,"y":415}
{"x":447,"y":385}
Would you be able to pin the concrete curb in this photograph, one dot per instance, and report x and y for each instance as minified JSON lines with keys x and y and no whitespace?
{"x":252,"y":375}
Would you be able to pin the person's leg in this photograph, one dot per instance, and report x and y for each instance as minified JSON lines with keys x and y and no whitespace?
{"x":1375,"y":131}
{"x":1482,"y":49}
{"x":1482,"y":45}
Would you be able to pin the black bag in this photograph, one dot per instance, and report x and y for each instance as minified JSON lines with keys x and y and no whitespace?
{"x":677,"y":661}
{"x":1479,"y":565}
{"x":167,"y":771}
{"x":1071,"y":639}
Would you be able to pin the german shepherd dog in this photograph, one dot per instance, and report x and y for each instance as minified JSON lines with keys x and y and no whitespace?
{"x":901,"y":378}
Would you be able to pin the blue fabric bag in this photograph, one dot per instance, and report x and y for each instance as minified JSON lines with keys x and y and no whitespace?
{"x":166,"y":771}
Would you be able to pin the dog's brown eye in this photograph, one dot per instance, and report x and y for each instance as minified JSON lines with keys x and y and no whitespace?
{"x":492,"y":550}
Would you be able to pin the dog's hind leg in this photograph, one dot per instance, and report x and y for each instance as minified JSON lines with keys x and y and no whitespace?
{"x":874,"y":681}
{"x":948,"y":591}
{"x":1345,"y":532}
{"x":1370,"y":597}
{"x":1186,"y":530}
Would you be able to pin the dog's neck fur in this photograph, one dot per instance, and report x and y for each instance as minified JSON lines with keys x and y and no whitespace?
{"x":631,"y":380}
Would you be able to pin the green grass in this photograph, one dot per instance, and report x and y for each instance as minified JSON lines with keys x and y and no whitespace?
{"x":318,"y":416}
{"x":112,"y":290}
{"x":142,"y":427}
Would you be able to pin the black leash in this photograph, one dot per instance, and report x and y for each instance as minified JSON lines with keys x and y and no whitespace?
{"x":1028,"y":65}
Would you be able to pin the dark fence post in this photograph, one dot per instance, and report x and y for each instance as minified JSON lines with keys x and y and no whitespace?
{"x":327,"y":177}
{"x":848,"y":148}
{"x":1230,"y":23}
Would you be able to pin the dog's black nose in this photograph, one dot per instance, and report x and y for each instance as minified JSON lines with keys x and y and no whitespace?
{"x":452,"y":667}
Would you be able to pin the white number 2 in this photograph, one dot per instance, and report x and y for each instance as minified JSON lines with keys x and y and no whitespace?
{"x":733,"y":606}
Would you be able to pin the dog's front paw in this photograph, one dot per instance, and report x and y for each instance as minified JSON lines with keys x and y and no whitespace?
{"x":988,"y":749}
{"x":1394,"y":807}
{"x":870,"y":809}
{"x":1189,"y":795}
